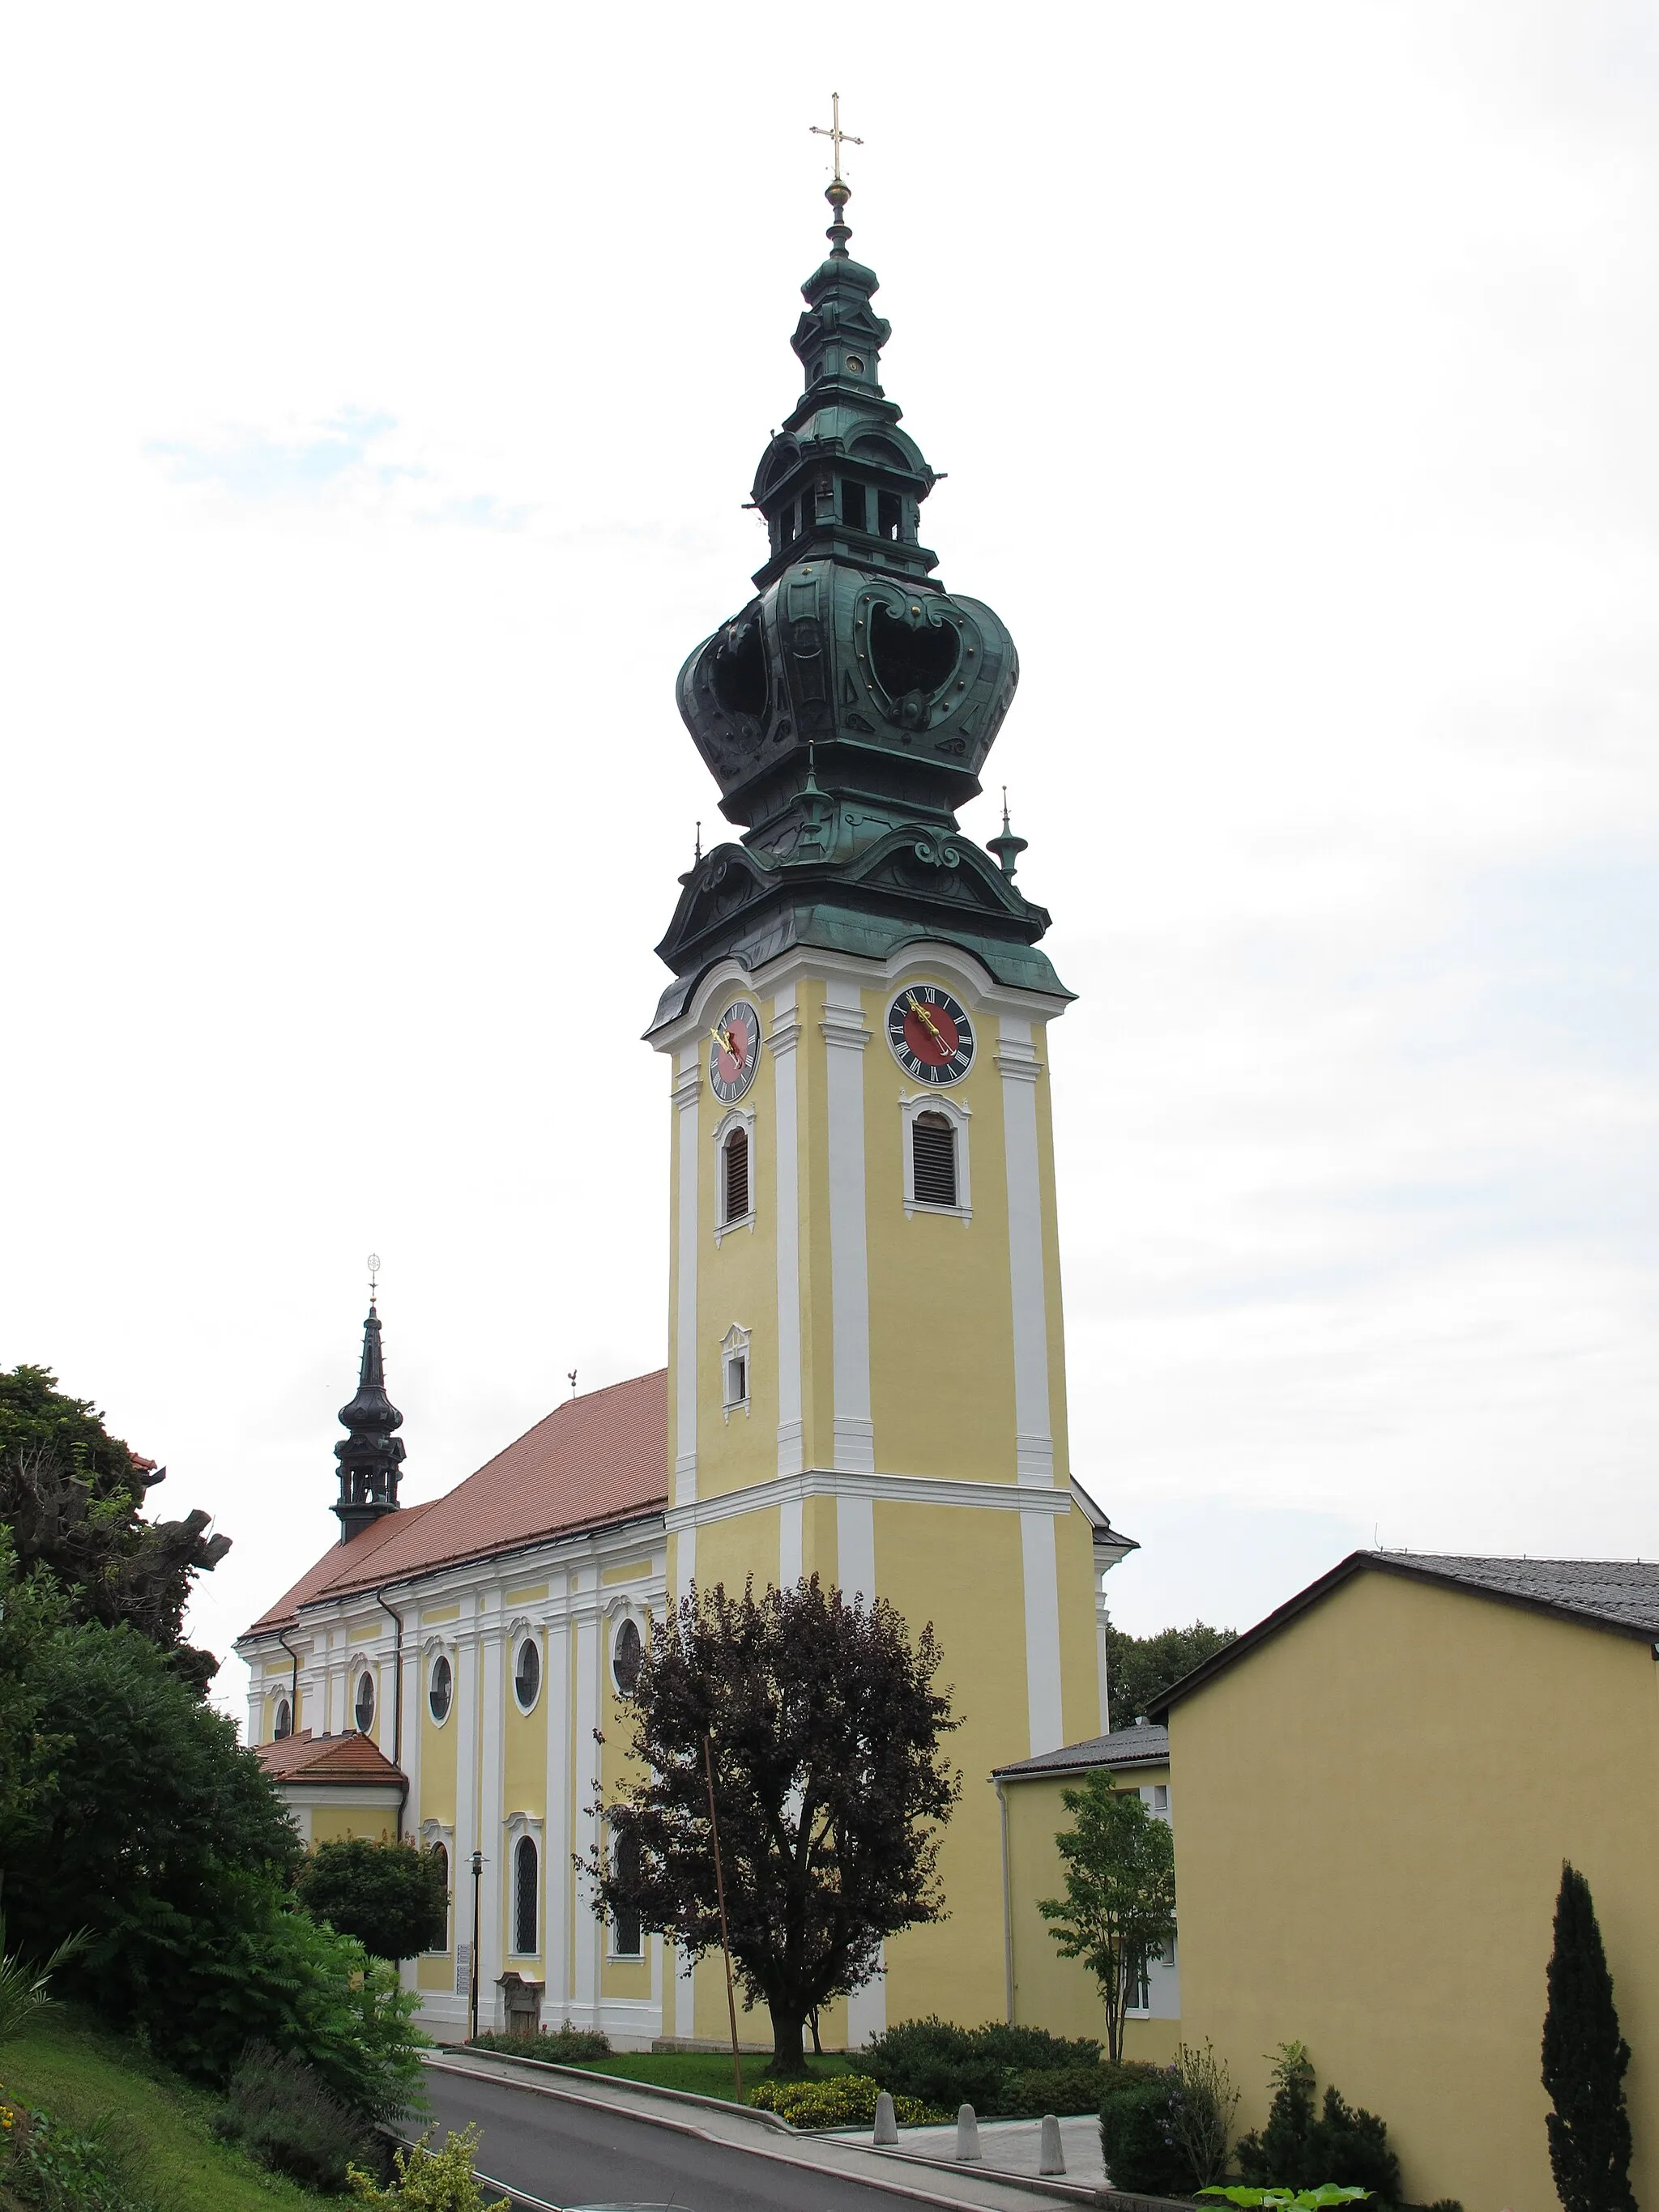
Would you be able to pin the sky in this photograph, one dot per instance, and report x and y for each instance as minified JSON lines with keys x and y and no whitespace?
{"x":384,"y":388}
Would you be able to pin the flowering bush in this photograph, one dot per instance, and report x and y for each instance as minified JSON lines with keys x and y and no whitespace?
{"x":431,"y":2180}
{"x":845,"y":2100}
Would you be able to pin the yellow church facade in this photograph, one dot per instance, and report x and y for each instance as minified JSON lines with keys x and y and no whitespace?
{"x":866,"y":1377}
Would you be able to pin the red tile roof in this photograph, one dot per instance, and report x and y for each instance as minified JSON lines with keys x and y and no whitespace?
{"x":345,"y":1758}
{"x":594,"y":1460}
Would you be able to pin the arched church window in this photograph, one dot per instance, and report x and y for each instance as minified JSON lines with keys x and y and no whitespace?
{"x":527,"y":1674}
{"x":627,"y":1933}
{"x":525,"y":1872}
{"x":364,"y":1708}
{"x":440,"y":1934}
{"x":441,"y":1689}
{"x":933,"y":1158}
{"x":734,"y":1177}
{"x":626,"y":1656}
{"x":283,"y":1724}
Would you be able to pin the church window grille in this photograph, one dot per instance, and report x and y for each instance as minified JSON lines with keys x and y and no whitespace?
{"x":527,"y":1674}
{"x":626,"y":1654}
{"x":441,"y":1689}
{"x":283,"y":1724}
{"x":933,"y":1158}
{"x":442,"y":1932}
{"x":526,"y":1886}
{"x":627,"y":1931}
{"x":364,"y":1708}
{"x":734,"y":1177}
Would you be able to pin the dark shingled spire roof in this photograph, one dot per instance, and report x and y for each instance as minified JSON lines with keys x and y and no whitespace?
{"x":371,"y":1452}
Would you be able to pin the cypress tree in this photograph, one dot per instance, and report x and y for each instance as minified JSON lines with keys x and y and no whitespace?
{"x":1584,"y":2062}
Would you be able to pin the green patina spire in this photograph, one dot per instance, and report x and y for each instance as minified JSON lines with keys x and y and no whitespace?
{"x":847,"y":711}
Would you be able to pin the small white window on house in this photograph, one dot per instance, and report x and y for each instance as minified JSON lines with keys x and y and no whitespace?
{"x":933,"y":1159}
{"x":734,"y":1177}
{"x":1161,"y":1799}
{"x":1137,"y":1996}
{"x":364,"y":1708}
{"x":734,"y":1372}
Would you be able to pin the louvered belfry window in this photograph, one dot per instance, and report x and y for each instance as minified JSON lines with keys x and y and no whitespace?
{"x":734,"y":1162}
{"x":933,"y":1157}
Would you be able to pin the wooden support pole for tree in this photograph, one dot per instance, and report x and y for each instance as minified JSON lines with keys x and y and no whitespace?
{"x":720,"y":1893}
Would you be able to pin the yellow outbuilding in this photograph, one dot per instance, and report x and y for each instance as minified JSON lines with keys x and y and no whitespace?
{"x":1377,"y":1787}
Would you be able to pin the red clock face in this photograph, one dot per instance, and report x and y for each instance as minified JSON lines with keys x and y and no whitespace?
{"x":931,"y":1035}
{"x":733,"y":1051}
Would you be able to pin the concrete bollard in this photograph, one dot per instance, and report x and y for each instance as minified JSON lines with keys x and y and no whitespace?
{"x":968,"y":2150}
{"x":886,"y":2125}
{"x":1051,"y":2158}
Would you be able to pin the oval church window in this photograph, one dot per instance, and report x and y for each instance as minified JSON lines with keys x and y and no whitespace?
{"x":364,"y":1708}
{"x":625,"y":1657}
{"x":441,"y":1690}
{"x":527,"y":1674}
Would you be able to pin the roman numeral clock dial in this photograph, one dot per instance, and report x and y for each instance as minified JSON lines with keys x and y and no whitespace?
{"x":733,"y":1051}
{"x":930,"y":1033}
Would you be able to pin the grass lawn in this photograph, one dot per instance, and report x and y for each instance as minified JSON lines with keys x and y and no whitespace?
{"x":705,"y":2073}
{"x":75,"y":2070}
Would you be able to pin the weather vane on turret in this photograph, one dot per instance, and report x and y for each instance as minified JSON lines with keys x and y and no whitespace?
{"x":373,"y":1275}
{"x":838,"y":191}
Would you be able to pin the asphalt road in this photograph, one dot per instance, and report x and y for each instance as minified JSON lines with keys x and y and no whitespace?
{"x":570,"y":2155}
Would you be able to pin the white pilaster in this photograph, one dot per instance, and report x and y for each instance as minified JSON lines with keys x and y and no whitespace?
{"x":409,"y":1748}
{"x":866,"y":2009}
{"x":790,"y":1544}
{"x":465,"y":1720}
{"x":584,"y":1933}
{"x":845,"y":1038}
{"x":560,"y":1836}
{"x":492,"y":1941}
{"x":1033,"y":1447}
{"x":855,"y":1546}
{"x":1043,"y":1698}
{"x":785,"y":1036}
{"x":687,"y":1087}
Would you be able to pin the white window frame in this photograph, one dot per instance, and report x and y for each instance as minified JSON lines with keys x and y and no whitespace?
{"x":442,"y":1831}
{"x":735,"y":1117}
{"x":735,"y":1346}
{"x":912,"y":1104}
{"x":521,"y":1632}
{"x":518,"y":1827}
{"x":434,"y":1649}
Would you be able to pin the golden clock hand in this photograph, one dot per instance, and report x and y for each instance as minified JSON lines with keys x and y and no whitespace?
{"x":930,"y":1023}
{"x":723,"y":1039}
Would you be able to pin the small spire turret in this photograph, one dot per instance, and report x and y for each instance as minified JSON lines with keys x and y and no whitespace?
{"x":371,"y":1453}
{"x":1007,"y":847}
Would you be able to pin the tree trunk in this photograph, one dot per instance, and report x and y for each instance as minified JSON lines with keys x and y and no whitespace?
{"x":788,"y":2054}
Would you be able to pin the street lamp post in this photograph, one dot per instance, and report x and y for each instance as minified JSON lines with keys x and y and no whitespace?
{"x":477,"y":1875}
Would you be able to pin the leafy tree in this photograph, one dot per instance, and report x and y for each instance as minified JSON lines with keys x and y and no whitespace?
{"x":824,"y":1722}
{"x":1140,"y":1669}
{"x":72,"y":1495}
{"x":1584,"y":2061}
{"x":393,"y":1898}
{"x":32,"y":1610}
{"x":1119,"y":1906}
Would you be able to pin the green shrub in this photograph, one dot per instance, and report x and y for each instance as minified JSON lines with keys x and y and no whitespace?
{"x":1028,"y":2092}
{"x":1299,"y":2148}
{"x":428,"y":2180}
{"x":941,"y":2064}
{"x":279,"y":2110}
{"x":1137,"y":2137}
{"x":52,"y":2167}
{"x":558,"y":2046}
{"x":845,"y":2100}
{"x":393,"y":1898}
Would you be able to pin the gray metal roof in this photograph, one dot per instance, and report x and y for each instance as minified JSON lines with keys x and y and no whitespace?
{"x":1129,"y":1747}
{"x":1621,"y":1595}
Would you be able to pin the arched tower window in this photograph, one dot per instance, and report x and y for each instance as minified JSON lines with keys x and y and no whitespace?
{"x":283,"y":1724}
{"x":627,"y":1934}
{"x":525,"y":1871}
{"x":934,"y":1158}
{"x":734,"y":1177}
{"x":364,"y":1708}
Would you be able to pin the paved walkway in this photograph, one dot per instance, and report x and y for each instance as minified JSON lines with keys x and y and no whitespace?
{"x":1007,"y":2145}
{"x":729,"y":2156}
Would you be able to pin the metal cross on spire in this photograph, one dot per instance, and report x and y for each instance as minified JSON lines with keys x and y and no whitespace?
{"x":373,"y":1275}
{"x":835,"y":134}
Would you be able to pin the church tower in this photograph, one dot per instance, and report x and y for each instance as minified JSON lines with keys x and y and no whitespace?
{"x":866,"y":1370}
{"x":371,"y":1452}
